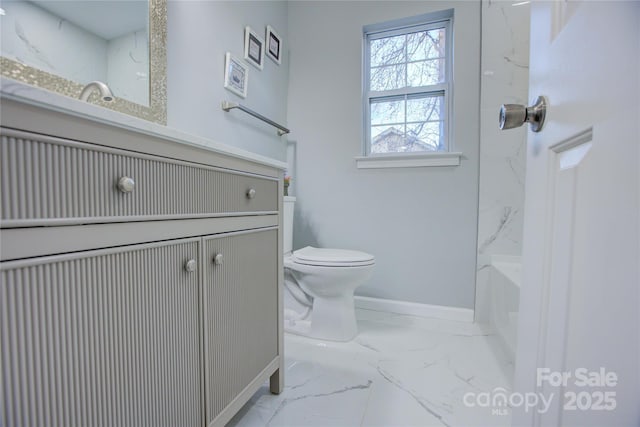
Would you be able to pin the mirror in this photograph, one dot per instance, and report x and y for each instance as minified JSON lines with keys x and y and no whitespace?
{"x":62,"y":45}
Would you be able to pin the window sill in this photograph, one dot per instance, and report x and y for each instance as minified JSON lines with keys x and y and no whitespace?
{"x":408,"y":161}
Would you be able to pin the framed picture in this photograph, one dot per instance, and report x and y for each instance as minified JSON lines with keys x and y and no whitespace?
{"x":236,"y":75}
{"x":274,"y":45}
{"x":253,"y":48}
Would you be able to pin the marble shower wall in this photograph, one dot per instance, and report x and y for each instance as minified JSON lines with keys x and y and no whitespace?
{"x":36,"y":37}
{"x":43,"y":40}
{"x":128,"y":66}
{"x":505,"y":79}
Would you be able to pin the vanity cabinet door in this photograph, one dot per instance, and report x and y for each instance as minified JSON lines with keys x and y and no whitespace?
{"x":102,"y":338}
{"x":241,"y":312}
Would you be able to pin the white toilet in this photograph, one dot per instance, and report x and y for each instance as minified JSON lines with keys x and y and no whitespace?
{"x":319,"y":286}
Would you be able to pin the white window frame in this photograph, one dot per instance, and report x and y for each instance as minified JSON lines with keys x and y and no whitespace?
{"x":424,"y":22}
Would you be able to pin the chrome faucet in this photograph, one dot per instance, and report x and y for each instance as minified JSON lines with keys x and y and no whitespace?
{"x":105,"y":92}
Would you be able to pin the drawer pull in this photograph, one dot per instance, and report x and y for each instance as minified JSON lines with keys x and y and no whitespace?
{"x":126,"y":184}
{"x":218,"y":259}
{"x":190,"y":265}
{"x":251,"y":193}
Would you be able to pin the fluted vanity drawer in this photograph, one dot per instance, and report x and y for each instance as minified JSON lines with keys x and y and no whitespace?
{"x":51,"y":180}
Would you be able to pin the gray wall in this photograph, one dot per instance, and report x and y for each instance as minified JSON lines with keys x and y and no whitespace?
{"x":199,"y":35}
{"x":420,"y":223}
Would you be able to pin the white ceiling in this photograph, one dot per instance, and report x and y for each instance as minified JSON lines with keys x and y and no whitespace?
{"x":106,"y":19}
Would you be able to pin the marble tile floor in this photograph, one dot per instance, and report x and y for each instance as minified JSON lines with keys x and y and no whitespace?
{"x":399,"y":371}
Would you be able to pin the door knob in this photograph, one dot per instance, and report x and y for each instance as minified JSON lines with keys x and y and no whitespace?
{"x":251,"y":193}
{"x":515,"y":115}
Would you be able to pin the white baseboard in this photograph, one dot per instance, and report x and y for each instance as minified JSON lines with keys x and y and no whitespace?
{"x":415,"y":309}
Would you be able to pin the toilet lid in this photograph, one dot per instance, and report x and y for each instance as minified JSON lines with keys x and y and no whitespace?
{"x":332,"y":257}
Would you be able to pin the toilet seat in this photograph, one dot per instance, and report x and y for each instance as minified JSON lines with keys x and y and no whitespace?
{"x":324,"y":257}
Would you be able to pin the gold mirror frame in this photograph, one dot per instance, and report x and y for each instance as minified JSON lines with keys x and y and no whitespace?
{"x":157,"y":109}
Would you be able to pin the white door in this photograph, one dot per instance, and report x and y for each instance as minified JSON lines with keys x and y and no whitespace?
{"x":580,"y":301}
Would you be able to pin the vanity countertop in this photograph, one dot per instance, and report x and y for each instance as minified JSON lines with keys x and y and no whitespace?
{"x":21,"y":92}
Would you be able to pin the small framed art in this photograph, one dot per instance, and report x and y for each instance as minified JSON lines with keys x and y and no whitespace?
{"x":253,"y":48}
{"x":236,"y":75}
{"x":274,"y":45}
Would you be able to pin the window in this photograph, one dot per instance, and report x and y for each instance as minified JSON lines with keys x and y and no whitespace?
{"x":407,"y":83}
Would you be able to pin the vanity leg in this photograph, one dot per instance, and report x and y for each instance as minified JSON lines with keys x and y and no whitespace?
{"x":276,"y":381}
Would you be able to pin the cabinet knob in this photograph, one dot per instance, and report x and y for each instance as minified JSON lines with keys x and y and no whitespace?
{"x":218,"y":259}
{"x":251,"y":193}
{"x":126,"y":184}
{"x":190,"y":265}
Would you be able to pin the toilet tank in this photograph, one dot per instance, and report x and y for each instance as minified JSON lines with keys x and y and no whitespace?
{"x":287,"y":232}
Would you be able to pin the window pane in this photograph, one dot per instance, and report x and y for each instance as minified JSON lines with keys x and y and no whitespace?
{"x":425,"y":73}
{"x":387,"y":139}
{"x":425,"y":136}
{"x":387,"y":112}
{"x":386,"y":78}
{"x":426,"y":44}
{"x":425,"y":109}
{"x":423,"y":130}
{"x":387,"y":51}
{"x":377,"y":130}
{"x":408,"y":71}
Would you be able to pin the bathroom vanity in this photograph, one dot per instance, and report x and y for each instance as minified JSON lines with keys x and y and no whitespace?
{"x":140,"y":274}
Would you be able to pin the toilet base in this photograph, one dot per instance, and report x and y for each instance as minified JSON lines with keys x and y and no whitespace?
{"x":297,"y":327}
{"x":332,"y":319}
